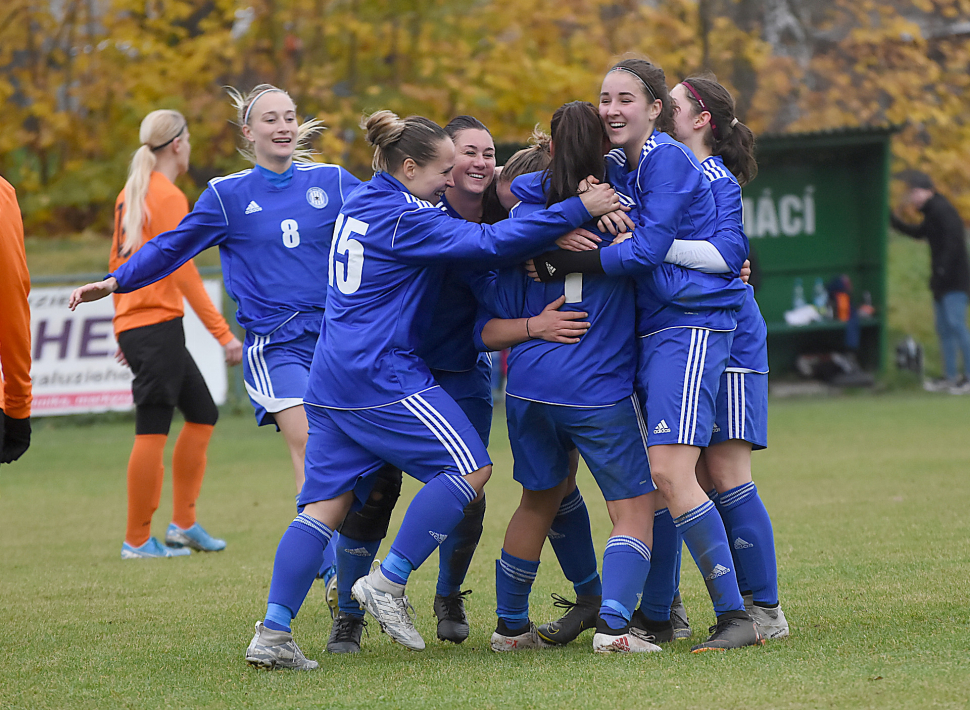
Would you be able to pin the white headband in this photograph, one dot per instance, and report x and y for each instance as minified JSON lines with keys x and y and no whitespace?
{"x":253,"y":103}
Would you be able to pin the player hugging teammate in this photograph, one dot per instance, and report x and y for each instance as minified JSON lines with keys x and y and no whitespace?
{"x":636,"y":337}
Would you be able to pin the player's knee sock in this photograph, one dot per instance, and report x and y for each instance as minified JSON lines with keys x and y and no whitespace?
{"x":572,"y":541}
{"x":188,"y":468}
{"x":354,"y":558}
{"x":661,"y":584}
{"x":738,"y":566}
{"x":703,"y":531}
{"x":455,"y":553}
{"x":145,"y":472}
{"x":432,"y":516}
{"x":328,"y":568}
{"x":626,"y":563}
{"x":752,"y":541}
{"x":513,"y":584}
{"x":294,"y":569}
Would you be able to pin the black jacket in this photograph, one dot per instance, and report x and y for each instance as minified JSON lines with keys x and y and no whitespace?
{"x":943,"y":229}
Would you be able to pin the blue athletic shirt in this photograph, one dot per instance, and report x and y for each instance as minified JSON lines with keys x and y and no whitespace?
{"x":597,"y":371}
{"x":450,"y":344}
{"x":749,"y":350}
{"x":273,"y":237}
{"x":674,"y":201}
{"x":382,"y":290}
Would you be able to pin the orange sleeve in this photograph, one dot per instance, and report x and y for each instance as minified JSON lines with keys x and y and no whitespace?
{"x":15,"y":394}
{"x":190,"y":284}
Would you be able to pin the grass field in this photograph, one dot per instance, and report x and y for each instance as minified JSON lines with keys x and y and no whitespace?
{"x":869,"y":497}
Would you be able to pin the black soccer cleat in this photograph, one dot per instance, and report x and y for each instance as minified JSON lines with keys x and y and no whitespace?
{"x":452,"y":620}
{"x":734,"y":629}
{"x":678,"y":617}
{"x":345,"y":633}
{"x":580,"y":616}
{"x":658,"y":631}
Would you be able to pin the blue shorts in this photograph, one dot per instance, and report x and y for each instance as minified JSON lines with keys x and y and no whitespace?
{"x":611,"y":440}
{"x":678,"y":375}
{"x":276,"y":366}
{"x":742,"y":409}
{"x":472,"y":391}
{"x":424,"y":434}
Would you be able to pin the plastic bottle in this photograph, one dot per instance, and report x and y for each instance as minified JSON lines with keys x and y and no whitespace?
{"x":820,"y":297}
{"x":798,"y":296}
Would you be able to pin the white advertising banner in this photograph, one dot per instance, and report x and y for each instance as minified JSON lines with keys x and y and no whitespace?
{"x":74,"y":370}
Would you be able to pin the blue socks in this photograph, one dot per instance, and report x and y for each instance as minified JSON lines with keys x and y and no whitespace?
{"x":572,"y":541}
{"x":513,"y":584}
{"x":455,"y":553}
{"x":354,"y":558}
{"x":626,"y":563}
{"x":703,"y":531}
{"x":298,"y":559}
{"x":752,"y":541}
{"x":664,"y":576}
{"x":432,"y":516}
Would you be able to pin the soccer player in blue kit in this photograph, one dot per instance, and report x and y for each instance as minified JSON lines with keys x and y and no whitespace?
{"x":370,"y":398}
{"x":704,"y":121}
{"x":682,"y":351}
{"x":273,"y":224}
{"x":560,"y":397}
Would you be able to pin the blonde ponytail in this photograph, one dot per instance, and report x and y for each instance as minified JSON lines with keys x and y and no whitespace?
{"x":158,"y":129}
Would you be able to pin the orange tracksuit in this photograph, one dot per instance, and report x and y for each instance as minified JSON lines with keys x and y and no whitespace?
{"x":14,"y":309}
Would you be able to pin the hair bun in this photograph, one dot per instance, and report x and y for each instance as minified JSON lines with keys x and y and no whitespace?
{"x":382,"y":127}
{"x":540,"y":139}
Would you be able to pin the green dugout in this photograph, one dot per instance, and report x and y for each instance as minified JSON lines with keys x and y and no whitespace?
{"x":819,"y":209}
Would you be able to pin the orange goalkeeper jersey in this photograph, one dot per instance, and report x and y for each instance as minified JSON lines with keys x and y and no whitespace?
{"x":14,"y":310}
{"x":165,"y":206}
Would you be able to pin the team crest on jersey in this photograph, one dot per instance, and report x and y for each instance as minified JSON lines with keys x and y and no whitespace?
{"x":317,"y":197}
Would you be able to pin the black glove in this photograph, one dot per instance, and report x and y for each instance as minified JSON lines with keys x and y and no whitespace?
{"x":555,"y":265}
{"x":15,"y":439}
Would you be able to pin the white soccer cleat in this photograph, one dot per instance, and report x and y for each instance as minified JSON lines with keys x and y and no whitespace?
{"x":770,"y":622}
{"x":271,"y":649}
{"x":627,"y":640}
{"x":394,"y":614}
{"x":502,"y":640}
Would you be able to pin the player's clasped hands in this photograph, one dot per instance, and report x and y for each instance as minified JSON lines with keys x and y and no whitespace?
{"x":92,"y":292}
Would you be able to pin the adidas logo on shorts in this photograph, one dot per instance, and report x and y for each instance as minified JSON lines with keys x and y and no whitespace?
{"x":741,"y":544}
{"x":438,"y":536}
{"x":716,"y":428}
{"x":718,"y":571}
{"x":661,"y":428}
{"x":357,"y":551}
{"x":253,"y":207}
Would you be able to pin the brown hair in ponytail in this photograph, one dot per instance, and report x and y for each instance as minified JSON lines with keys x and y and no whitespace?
{"x":578,"y":137}
{"x":728,"y":137}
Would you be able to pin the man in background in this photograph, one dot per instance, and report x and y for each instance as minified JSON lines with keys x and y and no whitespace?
{"x":14,"y":330}
{"x":943,"y":230}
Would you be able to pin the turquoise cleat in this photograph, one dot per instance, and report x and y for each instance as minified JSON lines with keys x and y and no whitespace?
{"x":195,"y":537}
{"x":152,"y":548}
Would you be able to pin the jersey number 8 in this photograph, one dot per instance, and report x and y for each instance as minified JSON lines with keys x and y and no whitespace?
{"x":346,"y":275}
{"x":291,"y":234}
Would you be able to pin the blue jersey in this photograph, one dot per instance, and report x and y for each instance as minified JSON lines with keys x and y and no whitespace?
{"x":674,"y":201}
{"x":597,"y":371}
{"x":450,"y":344}
{"x":749,"y":350}
{"x":273,"y":236}
{"x":384,"y":279}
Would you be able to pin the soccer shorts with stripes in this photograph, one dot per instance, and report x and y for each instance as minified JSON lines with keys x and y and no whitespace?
{"x":472,"y":391}
{"x":678,"y":375}
{"x":611,"y":440}
{"x":742,"y":409}
{"x":276,"y":367}
{"x":424,"y":434}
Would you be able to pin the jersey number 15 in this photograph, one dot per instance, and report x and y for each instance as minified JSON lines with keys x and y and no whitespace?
{"x":345,"y":272}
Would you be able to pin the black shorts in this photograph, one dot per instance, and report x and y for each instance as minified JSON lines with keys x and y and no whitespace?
{"x":160,"y":362}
